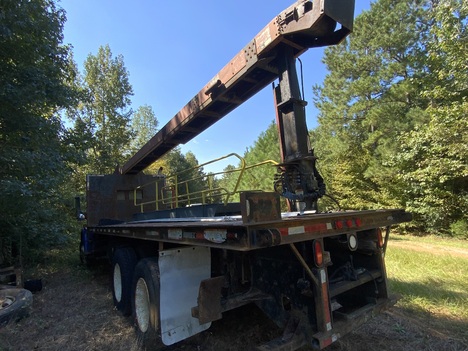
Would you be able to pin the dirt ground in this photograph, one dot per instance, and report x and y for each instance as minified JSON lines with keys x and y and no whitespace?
{"x":426,"y":247}
{"x":74,"y":311}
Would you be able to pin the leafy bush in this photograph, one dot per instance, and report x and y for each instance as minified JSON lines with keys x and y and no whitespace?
{"x":459,"y":229}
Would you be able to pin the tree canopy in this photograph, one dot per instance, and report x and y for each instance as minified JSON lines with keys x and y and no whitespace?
{"x":434,"y":155}
{"x":34,"y":153}
{"x":392,"y":112}
{"x":144,"y":125}
{"x":265,"y":148}
{"x":104,"y":114}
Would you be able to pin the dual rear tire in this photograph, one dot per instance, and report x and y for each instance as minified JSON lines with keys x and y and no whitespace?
{"x":124,"y":261}
{"x":135,"y":291}
{"x":145,"y":302}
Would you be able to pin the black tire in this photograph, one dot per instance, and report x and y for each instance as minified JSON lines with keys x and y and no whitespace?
{"x":124,"y":261}
{"x":15,"y":303}
{"x":145,"y":304}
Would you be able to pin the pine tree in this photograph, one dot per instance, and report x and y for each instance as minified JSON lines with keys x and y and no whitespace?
{"x":434,"y":161}
{"x":369,"y":98}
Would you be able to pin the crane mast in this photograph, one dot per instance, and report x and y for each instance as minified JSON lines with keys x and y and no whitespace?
{"x":269,"y":56}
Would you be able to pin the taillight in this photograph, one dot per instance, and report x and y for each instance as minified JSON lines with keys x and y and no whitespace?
{"x":318,"y":253}
{"x":380,"y":242}
{"x":358,"y":222}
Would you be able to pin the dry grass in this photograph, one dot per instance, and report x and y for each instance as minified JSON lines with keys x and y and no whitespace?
{"x":74,"y":311}
{"x":70,"y":313}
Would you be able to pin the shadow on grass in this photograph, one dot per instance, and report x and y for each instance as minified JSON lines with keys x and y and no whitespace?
{"x":437,"y":308}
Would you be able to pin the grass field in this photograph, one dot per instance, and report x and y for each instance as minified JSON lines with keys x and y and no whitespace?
{"x":74,"y":311}
{"x":431,"y":274}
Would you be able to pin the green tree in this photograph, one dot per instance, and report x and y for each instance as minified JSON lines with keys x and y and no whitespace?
{"x":369,"y":98}
{"x":104,"y":115}
{"x":35,"y":86}
{"x":435,"y":154}
{"x":183,"y":171}
{"x":144,"y":126}
{"x":265,"y":148}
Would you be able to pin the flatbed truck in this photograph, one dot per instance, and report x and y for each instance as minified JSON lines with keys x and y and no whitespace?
{"x":180,"y":259}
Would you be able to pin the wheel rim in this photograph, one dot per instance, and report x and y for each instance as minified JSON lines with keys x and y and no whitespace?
{"x":117,"y":283}
{"x":142,"y":305}
{"x":6,"y":301}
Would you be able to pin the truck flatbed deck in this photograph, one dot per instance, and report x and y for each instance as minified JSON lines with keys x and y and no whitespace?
{"x":231,"y":232}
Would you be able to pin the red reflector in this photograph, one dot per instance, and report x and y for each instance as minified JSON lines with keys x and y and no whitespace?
{"x":349,"y":223}
{"x":339,"y":224}
{"x":231,"y":235}
{"x":358,"y":222}
{"x":318,"y":253}
{"x":379,"y":238}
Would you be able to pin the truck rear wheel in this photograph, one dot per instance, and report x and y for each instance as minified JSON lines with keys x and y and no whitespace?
{"x":145,"y":302}
{"x":124,"y":261}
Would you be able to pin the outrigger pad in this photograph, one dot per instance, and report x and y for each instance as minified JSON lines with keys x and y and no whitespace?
{"x":258,"y":206}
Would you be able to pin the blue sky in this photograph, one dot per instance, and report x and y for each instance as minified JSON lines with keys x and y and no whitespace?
{"x":173,"y":48}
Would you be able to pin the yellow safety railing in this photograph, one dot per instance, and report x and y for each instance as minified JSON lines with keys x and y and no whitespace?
{"x":174,"y":191}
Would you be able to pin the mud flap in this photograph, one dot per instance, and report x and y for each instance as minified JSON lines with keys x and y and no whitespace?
{"x":181,"y":271}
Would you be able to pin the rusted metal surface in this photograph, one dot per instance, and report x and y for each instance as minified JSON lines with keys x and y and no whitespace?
{"x":304,"y":264}
{"x":304,"y":25}
{"x":298,"y":180}
{"x":209,"y":300}
{"x":211,"y":304}
{"x":339,"y":288}
{"x":257,"y":207}
{"x":111,"y":197}
{"x":233,"y":234}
